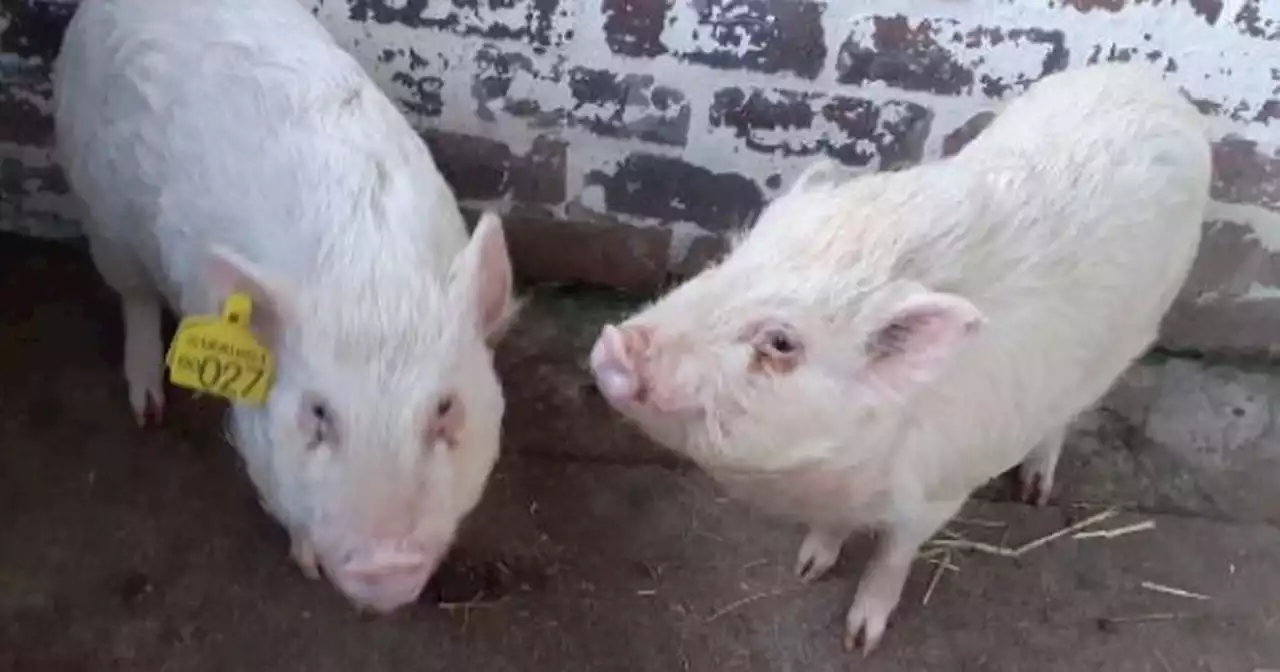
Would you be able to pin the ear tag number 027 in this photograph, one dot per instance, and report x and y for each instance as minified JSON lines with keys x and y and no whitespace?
{"x":219,"y":355}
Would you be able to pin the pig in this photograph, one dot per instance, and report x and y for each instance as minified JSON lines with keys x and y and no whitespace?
{"x":877,"y":347}
{"x":233,"y":146}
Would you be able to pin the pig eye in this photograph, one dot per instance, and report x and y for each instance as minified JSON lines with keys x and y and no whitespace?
{"x":777,"y":341}
{"x":446,"y":421}
{"x":781,"y":344}
{"x":777,"y":346}
{"x":316,"y":419}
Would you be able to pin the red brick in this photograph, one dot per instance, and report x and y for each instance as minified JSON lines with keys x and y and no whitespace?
{"x":768,"y":36}
{"x":889,"y":133}
{"x":1252,"y":21}
{"x":1209,"y":10}
{"x":966,"y":132}
{"x":704,"y":251}
{"x":670,"y":189}
{"x":482,"y":168}
{"x":542,"y":24}
{"x":1244,"y":173}
{"x":1212,"y":313}
{"x":921,"y":55}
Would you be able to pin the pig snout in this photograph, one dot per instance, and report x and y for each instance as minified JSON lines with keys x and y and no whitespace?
{"x":383,"y":579}
{"x":615,"y":366}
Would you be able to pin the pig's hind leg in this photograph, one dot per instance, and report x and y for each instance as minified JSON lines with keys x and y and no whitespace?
{"x":1035,"y":474}
{"x":141,"y":306}
{"x":880,"y":587}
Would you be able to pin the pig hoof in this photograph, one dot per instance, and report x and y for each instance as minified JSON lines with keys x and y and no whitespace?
{"x":818,"y":554}
{"x":864,"y":628}
{"x":855,"y":641}
{"x":1033,"y":488}
{"x":148,"y":407}
{"x":311,"y":571}
{"x":305,"y":556}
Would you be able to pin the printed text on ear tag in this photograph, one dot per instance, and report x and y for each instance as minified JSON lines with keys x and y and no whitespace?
{"x":219,"y":355}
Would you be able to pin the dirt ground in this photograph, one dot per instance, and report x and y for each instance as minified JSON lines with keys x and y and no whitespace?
{"x":130,"y":549}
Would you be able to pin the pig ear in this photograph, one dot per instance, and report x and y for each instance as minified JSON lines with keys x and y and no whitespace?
{"x":482,"y":278}
{"x":819,"y":173}
{"x":227,"y":273}
{"x":918,"y":338}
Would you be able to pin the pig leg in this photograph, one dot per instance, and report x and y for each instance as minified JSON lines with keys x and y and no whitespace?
{"x":144,"y":355}
{"x":141,"y":307}
{"x":1035,"y":474}
{"x":820,"y":550}
{"x":304,"y":554}
{"x":881,"y":585}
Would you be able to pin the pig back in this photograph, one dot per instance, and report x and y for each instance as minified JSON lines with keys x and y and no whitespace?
{"x":241,"y":123}
{"x":1095,"y":179}
{"x":1082,"y":214}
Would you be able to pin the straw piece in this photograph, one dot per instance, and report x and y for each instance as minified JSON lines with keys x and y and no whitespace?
{"x":966,"y":545}
{"x":1006,"y":552}
{"x":943,"y":566}
{"x":1145,"y":618}
{"x":1116,"y":532}
{"x":741,"y":603}
{"x":1087,"y":522}
{"x":979,"y":522}
{"x":1176,"y":592}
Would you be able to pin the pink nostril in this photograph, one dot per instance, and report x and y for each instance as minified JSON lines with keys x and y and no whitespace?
{"x":382,"y":576}
{"x":384,"y":563}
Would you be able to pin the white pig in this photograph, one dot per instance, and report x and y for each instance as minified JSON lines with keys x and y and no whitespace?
{"x":876,"y":348}
{"x":234,"y":146}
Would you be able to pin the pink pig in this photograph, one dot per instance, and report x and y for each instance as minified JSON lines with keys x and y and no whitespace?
{"x":233,"y":146}
{"x":876,"y":348}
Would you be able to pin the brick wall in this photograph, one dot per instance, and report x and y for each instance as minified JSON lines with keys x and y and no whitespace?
{"x":625,"y":137}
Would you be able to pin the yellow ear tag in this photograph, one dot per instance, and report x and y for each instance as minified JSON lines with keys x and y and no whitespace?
{"x":219,"y":355}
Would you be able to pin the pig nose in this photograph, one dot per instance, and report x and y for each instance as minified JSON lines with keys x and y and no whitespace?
{"x":384,"y":580}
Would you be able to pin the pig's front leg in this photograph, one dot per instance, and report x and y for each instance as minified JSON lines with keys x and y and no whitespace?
{"x":882,"y":580}
{"x":304,"y":554}
{"x":143,"y":355}
{"x":140,"y":308}
{"x":1035,"y":474}
{"x":819,"y":551}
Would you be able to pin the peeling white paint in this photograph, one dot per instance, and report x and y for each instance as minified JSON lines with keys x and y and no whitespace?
{"x":1218,"y":64}
{"x":1264,"y":223}
{"x":1260,"y":292}
{"x":1215,"y":63}
{"x":31,"y":156}
{"x":683,"y":34}
{"x":592,"y":196}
